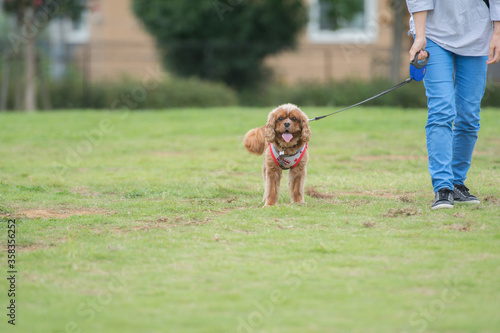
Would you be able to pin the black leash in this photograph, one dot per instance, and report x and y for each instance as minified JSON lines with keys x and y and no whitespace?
{"x":417,"y":72}
{"x":408,"y":80}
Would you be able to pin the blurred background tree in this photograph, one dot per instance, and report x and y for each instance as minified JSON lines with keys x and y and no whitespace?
{"x":31,"y":17}
{"x":399,"y":29}
{"x":224,"y":40}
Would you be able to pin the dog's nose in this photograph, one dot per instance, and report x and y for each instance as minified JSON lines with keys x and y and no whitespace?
{"x":287,"y":125}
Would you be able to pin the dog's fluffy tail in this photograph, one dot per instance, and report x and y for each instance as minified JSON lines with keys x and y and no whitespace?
{"x":254,"y":141}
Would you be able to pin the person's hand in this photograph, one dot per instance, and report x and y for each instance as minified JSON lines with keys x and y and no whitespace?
{"x":418,"y":45}
{"x":494,"y":55}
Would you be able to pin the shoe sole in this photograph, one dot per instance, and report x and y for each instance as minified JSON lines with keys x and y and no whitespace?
{"x":468,"y":202}
{"x":442,"y":206}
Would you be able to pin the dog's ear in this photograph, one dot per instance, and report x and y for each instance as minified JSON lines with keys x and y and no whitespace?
{"x":269,"y":132}
{"x":306,"y":131}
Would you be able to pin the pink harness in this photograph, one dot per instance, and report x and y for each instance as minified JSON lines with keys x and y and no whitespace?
{"x":287,"y":161}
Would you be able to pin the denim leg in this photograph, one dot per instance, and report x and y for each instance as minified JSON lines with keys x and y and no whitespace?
{"x":440,"y":93}
{"x":470,"y":82}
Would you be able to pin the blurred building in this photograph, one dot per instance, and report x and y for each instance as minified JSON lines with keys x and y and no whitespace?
{"x":363,"y":48}
{"x":118,"y":45}
{"x":360,"y":49}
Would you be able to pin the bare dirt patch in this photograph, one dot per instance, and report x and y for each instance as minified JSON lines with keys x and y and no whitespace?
{"x":406,"y":199}
{"x":52,"y":213}
{"x":31,"y":248}
{"x":163,"y":223}
{"x":492,"y":199}
{"x":409,"y":211}
{"x":375,"y":194}
{"x":463,"y":227}
{"x":313,"y":193}
{"x":369,"y":224}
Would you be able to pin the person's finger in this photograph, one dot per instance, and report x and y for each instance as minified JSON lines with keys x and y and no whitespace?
{"x":490,"y":55}
{"x":494,"y":56}
{"x":423,"y":54}
{"x":497,"y":57}
{"x":412,"y":55}
{"x":418,"y":45}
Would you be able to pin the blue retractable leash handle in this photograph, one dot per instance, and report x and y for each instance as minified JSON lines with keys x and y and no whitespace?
{"x":417,"y":67}
{"x":417,"y":73}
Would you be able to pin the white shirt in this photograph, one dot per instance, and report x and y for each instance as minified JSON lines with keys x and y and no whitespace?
{"x":463,"y":27}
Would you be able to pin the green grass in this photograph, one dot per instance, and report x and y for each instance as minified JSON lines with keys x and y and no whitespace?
{"x":173,"y":237}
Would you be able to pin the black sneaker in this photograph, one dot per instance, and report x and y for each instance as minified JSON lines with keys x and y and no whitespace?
{"x":444,"y":199}
{"x":461,"y":194}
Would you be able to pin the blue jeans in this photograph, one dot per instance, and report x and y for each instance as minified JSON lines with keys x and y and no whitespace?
{"x":454,"y":87}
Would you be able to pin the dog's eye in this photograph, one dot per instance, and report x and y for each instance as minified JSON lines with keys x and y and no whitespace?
{"x":280,"y":118}
{"x":294,"y":119}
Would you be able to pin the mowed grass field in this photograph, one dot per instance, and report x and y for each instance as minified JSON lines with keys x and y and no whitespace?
{"x":153,"y":222}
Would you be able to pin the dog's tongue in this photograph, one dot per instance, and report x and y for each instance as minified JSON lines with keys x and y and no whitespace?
{"x":287,"y":137}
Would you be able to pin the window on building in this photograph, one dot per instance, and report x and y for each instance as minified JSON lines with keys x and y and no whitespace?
{"x":360,"y":26}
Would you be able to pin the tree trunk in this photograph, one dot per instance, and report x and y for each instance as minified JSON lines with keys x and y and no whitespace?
{"x":4,"y":90}
{"x":30,"y":62}
{"x":18,"y":79}
{"x":398,"y":6}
